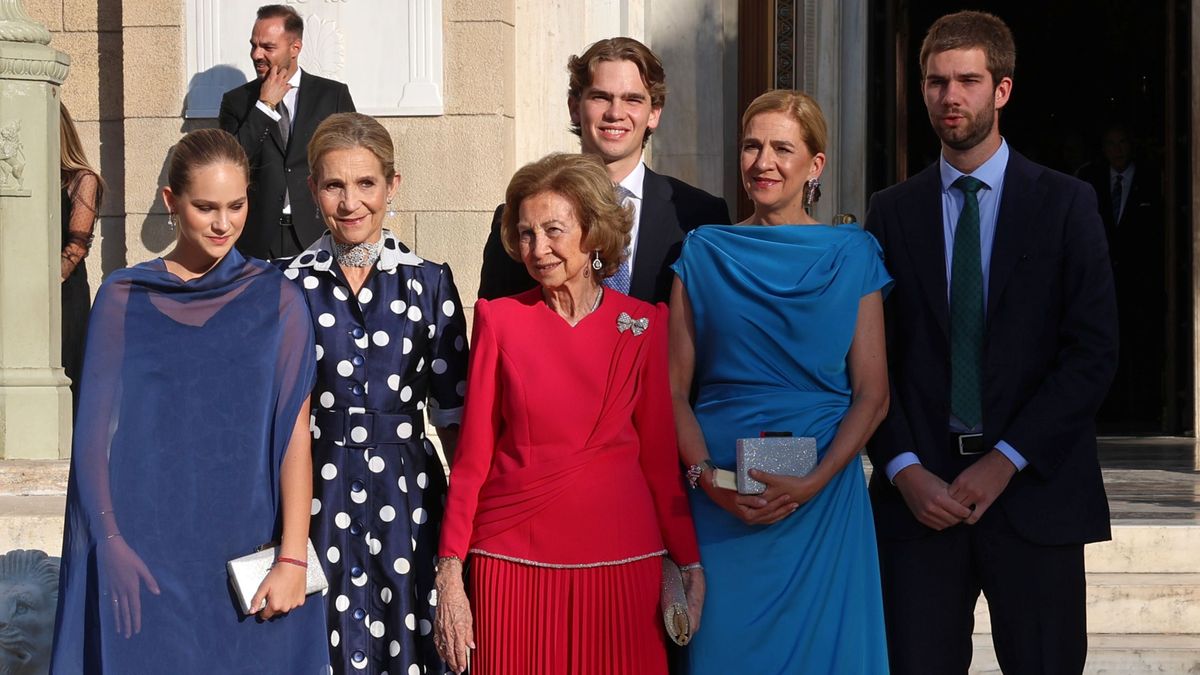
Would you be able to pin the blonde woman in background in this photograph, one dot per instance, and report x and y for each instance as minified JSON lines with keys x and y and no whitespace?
{"x":82,"y":192}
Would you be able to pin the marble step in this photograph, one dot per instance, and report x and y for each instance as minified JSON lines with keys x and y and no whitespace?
{"x":1150,"y":548}
{"x":32,"y":522}
{"x":1137,"y":604}
{"x":1116,"y":655}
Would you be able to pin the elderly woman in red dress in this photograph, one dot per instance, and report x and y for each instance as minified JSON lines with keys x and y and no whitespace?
{"x":566,"y":489}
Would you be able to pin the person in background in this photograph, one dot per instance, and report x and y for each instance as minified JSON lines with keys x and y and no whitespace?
{"x":274,"y":117}
{"x":1129,"y":196}
{"x":391,"y":337}
{"x":191,"y":449}
{"x":82,"y":194}
{"x":777,"y":326}
{"x":566,"y":490}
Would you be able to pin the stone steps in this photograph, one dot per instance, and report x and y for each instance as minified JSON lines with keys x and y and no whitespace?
{"x":1116,"y":655}
{"x":1133,"y":604}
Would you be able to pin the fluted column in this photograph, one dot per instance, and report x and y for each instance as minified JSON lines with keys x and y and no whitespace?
{"x":35,"y":399}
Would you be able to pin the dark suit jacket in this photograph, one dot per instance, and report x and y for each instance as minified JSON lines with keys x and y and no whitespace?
{"x":1050,"y":349}
{"x":274,"y":168}
{"x":670,"y":209}
{"x":1136,"y":244}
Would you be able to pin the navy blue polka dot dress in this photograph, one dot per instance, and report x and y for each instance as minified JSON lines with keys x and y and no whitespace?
{"x":382,"y":356}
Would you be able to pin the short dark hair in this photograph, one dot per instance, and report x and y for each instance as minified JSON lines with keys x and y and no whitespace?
{"x":292,"y":22}
{"x":973,"y":30}
{"x":583,"y":66}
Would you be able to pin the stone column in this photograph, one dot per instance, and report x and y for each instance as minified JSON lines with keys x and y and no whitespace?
{"x":35,"y":399}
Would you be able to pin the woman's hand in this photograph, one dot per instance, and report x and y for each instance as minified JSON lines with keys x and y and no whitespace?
{"x":281,"y":592}
{"x":750,"y":509}
{"x":799,"y":488}
{"x":66,"y":268}
{"x":453,"y":627}
{"x":693,"y":588}
{"x":124,"y":572}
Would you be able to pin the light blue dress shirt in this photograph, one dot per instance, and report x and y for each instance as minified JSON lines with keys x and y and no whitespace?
{"x":991,"y":173}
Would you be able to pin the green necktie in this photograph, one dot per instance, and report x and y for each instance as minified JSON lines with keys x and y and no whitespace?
{"x":966,"y":309}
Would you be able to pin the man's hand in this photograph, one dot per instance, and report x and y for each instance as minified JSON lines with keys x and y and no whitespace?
{"x":274,"y":86}
{"x":980,"y":484}
{"x":928,"y":498}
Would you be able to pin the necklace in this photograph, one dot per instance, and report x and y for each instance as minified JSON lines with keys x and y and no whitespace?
{"x":363,"y":254}
{"x":595,"y":304}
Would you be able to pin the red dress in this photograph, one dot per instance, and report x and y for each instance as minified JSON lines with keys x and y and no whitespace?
{"x":566,"y":488}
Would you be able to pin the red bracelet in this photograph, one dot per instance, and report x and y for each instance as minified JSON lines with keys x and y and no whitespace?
{"x":292,"y":561}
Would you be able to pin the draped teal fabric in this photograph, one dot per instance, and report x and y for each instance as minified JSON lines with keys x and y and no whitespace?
{"x":774,"y":311}
{"x":190,"y":393}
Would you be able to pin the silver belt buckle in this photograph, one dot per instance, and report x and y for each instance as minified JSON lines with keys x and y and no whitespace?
{"x":966,"y":453}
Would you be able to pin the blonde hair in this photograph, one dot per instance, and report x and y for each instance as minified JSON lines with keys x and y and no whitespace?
{"x":800,"y":107}
{"x":73,"y":161}
{"x":583,"y":181}
{"x":348,"y":130}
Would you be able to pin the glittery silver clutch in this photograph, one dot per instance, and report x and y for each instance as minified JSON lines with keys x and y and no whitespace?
{"x":246,"y":573}
{"x":784,"y":455}
{"x":674,"y":604}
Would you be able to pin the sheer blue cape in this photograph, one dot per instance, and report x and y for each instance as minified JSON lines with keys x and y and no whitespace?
{"x":190,"y":394}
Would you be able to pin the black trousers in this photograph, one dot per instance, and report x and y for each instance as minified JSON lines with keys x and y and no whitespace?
{"x":1035,"y":598}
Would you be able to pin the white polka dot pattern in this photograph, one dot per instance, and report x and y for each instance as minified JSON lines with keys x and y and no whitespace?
{"x":397,"y":343}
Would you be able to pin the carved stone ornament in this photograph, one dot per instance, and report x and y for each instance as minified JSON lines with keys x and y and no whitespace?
{"x":12,"y":157}
{"x":16,"y":26}
{"x":28,"y":599}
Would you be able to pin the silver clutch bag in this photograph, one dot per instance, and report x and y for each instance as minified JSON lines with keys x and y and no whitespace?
{"x":674,"y":604}
{"x":784,"y":455}
{"x":246,"y":573}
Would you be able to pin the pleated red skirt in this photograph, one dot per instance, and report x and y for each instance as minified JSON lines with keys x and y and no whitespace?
{"x":582,"y":621}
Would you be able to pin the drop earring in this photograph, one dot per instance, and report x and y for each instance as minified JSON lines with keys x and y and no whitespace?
{"x":597,"y":264}
{"x":391,"y":212}
{"x":171,"y":221}
{"x":812,"y":193}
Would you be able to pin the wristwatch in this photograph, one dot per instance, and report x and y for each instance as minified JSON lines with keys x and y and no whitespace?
{"x":696,"y":470}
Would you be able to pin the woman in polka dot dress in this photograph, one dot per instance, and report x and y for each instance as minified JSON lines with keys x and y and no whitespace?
{"x":390,"y":336}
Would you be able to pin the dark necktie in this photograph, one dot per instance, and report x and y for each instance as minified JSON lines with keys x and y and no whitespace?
{"x":1116,"y":198}
{"x":966,"y":309}
{"x":285,"y":130}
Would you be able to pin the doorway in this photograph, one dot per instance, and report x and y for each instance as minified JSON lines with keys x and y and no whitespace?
{"x":1087,"y":71}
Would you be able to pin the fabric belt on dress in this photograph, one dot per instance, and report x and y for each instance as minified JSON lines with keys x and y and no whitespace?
{"x":360,"y":429}
{"x":966,"y":445}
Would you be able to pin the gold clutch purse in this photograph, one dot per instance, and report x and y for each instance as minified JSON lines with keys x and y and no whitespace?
{"x":674,"y":604}
{"x":246,"y":573}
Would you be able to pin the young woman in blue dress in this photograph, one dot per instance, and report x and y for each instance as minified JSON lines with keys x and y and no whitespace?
{"x":191,"y":448}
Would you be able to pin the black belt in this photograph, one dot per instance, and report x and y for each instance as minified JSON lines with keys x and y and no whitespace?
{"x":967,"y":444}
{"x":369,"y":428}
{"x":285,"y":219}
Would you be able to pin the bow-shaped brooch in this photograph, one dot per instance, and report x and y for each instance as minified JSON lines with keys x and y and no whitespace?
{"x":626,"y":322}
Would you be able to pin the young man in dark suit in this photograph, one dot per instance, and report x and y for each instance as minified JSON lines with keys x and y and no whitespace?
{"x":1002,"y":341}
{"x":273,"y":118}
{"x":616,"y":96}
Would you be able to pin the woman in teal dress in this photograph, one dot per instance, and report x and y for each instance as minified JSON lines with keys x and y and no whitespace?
{"x":777,"y":325}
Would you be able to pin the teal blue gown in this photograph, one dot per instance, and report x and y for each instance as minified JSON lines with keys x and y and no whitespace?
{"x":774,"y":310}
